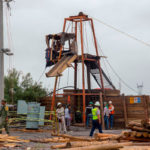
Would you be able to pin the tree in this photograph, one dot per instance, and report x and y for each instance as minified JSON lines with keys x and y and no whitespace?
{"x":22,"y":87}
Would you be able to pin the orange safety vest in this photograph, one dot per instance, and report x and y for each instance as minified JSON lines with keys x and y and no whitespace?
{"x":111,"y":112}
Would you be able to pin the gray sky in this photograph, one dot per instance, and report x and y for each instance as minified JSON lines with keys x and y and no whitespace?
{"x":31,"y":20}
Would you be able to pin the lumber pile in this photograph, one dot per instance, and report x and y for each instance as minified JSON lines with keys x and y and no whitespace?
{"x":139,"y":131}
{"x":73,"y":138}
{"x":10,"y":141}
{"x":100,"y":141}
{"x":51,"y":140}
{"x":104,"y":137}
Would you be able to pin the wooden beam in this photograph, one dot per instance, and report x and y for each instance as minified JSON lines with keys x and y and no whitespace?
{"x":102,"y":111}
{"x":145,"y":107}
{"x":125,"y":110}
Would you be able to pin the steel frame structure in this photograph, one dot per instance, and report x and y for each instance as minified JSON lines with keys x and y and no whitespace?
{"x":79,"y":20}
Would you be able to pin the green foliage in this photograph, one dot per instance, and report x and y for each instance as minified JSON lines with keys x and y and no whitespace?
{"x":22,"y":87}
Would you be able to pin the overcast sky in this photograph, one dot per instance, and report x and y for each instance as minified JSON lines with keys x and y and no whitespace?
{"x":31,"y":20}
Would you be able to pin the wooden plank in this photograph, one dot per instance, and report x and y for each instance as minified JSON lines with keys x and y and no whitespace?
{"x":125,"y":109}
{"x":145,"y":108}
{"x":102,"y":111}
{"x":59,"y":64}
{"x":67,"y":63}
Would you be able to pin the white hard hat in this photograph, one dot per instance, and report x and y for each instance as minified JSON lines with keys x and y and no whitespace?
{"x":110,"y":102}
{"x":58,"y":104}
{"x":97,"y":103}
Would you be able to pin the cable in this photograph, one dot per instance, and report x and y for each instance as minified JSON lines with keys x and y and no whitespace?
{"x":122,"y":32}
{"x":41,"y":75}
{"x":116,"y":73}
{"x":60,"y":89}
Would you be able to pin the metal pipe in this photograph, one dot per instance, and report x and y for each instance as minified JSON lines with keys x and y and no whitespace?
{"x":1,"y":53}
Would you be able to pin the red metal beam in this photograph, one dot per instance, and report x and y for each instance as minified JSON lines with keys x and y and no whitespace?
{"x":95,"y":42}
{"x":56,"y":79}
{"x":83,"y":82}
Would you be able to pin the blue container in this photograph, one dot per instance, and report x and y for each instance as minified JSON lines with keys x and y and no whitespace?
{"x":22,"y":107}
{"x":33,"y":115}
{"x":42,"y":115}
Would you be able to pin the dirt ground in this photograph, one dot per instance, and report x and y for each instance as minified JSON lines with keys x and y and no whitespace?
{"x":76,"y":131}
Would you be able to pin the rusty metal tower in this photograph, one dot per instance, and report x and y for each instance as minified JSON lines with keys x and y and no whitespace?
{"x":92,"y":62}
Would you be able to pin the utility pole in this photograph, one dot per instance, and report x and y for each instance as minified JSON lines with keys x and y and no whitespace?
{"x":1,"y":53}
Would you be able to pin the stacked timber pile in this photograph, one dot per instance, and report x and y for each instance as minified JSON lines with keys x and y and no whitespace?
{"x":140,"y":131}
{"x":10,"y":141}
{"x":100,"y":141}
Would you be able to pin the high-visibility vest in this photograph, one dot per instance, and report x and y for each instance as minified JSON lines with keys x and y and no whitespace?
{"x":94,"y":113}
{"x":111,"y":112}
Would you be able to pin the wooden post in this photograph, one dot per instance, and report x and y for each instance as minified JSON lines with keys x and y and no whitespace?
{"x":102,"y":110}
{"x":148,"y":103}
{"x":125,"y":110}
{"x":145,"y":107}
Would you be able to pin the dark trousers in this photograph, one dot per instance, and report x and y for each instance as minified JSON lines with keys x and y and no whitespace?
{"x":5,"y":125}
{"x":106,"y":119}
{"x":111,"y":120}
{"x":95,"y":124}
{"x":89,"y":117}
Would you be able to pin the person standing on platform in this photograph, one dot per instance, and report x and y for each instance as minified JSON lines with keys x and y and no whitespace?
{"x":106,"y":115}
{"x":4,"y":117}
{"x":61,"y":118}
{"x":96,"y":120}
{"x":89,"y":113}
{"x":111,"y":114}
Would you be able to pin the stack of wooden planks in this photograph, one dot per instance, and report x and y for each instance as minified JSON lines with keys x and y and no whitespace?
{"x":10,"y":141}
{"x":100,"y":141}
{"x":140,"y":131}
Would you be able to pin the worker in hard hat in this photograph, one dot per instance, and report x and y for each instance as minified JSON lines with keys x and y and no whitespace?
{"x":111,"y":114}
{"x":61,"y":118}
{"x":106,"y":115}
{"x":89,"y":113}
{"x":4,"y":116}
{"x":96,"y":120}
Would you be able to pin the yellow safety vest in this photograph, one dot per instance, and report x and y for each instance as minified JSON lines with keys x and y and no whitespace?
{"x":94,"y":113}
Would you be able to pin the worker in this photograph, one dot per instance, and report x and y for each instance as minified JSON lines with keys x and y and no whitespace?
{"x":106,"y":115}
{"x":4,"y":117}
{"x":89,"y":113}
{"x":61,"y":118}
{"x":96,"y":120}
{"x":68,"y":117}
{"x":78,"y":116}
{"x":111,"y":114}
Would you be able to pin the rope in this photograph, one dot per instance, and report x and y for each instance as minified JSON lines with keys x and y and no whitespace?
{"x":122,"y":32}
{"x":108,"y":61}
